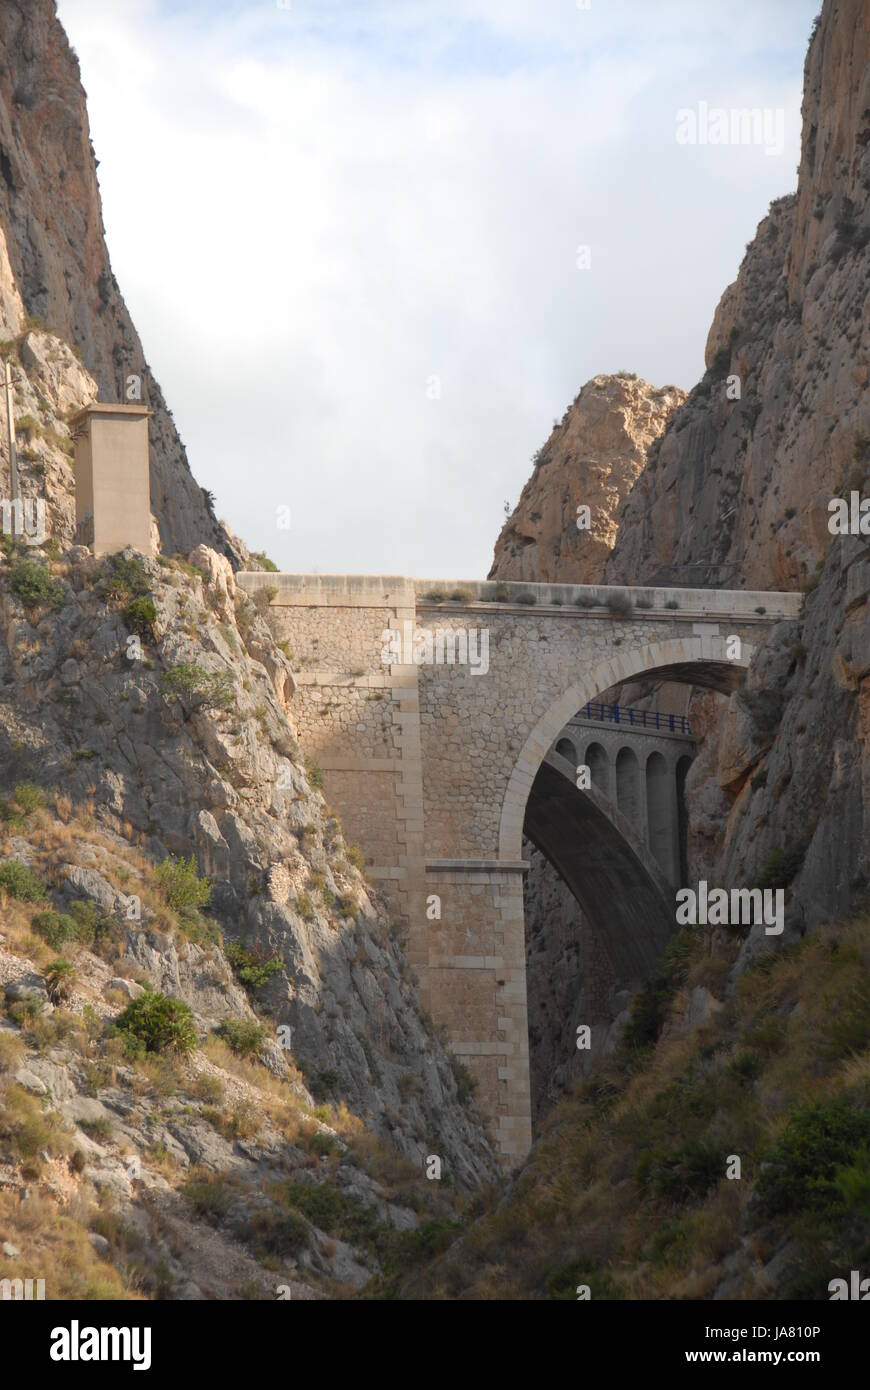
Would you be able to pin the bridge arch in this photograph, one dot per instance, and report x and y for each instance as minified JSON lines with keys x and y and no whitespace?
{"x":698,"y":660}
{"x":600,"y":857}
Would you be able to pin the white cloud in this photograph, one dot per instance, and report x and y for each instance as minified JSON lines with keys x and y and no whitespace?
{"x":311,"y":212}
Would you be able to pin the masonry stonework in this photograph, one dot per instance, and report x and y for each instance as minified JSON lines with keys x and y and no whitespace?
{"x":430,"y":765}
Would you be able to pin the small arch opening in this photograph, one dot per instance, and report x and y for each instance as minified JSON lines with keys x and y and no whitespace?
{"x":628,"y":785}
{"x":596,"y":761}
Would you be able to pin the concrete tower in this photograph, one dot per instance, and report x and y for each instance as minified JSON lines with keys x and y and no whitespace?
{"x":113,"y":496}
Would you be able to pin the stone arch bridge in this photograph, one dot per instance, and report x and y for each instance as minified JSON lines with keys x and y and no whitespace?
{"x":432,"y":709}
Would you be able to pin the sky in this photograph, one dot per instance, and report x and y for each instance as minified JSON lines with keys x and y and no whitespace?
{"x":351,"y":236}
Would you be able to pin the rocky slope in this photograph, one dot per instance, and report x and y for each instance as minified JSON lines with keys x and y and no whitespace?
{"x":593,"y":458}
{"x":626,"y":1191}
{"x":144,"y":719}
{"x":54,"y":249}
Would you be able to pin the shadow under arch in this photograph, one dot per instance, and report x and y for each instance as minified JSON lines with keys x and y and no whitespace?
{"x":692,"y":660}
{"x":613,"y":877}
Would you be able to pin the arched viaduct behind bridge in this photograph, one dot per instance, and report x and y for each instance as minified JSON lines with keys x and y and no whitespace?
{"x":638,"y":762}
{"x":433,"y":763}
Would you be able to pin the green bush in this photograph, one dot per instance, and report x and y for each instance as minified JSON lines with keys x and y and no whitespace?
{"x":780,"y":866}
{"x":156,"y":1023}
{"x":253,"y":970}
{"x":270,"y":1233}
{"x":465,"y":1083}
{"x":140,"y":616}
{"x":245,"y":1037}
{"x":201,"y":689}
{"x":28,"y":797}
{"x":852,"y":1181}
{"x":500,"y":594}
{"x":84,"y":924}
{"x":323,"y":1205}
{"x":210,"y":1196}
{"x":21,"y":882}
{"x":28,"y":427}
{"x":620,"y":605}
{"x":649,"y":1005}
{"x":689,"y":1170}
{"x":125,"y":577}
{"x":59,"y":977}
{"x":34,"y":585}
{"x":820,"y":1144}
{"x":326,"y":1082}
{"x":261,"y":561}
{"x":54,"y":928}
{"x":314,"y":775}
{"x":305,"y":907}
{"x":181,"y":885}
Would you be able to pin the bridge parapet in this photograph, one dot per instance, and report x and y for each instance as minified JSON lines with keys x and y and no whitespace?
{"x":673,"y":603}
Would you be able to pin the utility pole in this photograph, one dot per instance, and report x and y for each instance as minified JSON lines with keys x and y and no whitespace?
{"x":10,"y":421}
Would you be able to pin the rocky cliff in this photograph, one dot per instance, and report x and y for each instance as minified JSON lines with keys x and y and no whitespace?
{"x":739,"y":486}
{"x":592,"y":459}
{"x":56,"y":256}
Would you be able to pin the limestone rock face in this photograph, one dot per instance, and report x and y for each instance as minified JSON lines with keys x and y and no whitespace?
{"x":53,"y":367}
{"x":738,"y":488}
{"x":11,"y":308}
{"x":54,"y":265}
{"x":593,"y":458}
{"x":736,"y":494}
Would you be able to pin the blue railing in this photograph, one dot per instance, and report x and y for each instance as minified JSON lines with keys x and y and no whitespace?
{"x":637,"y":718}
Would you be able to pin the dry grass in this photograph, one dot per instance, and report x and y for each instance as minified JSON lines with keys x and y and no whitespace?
{"x":54,"y":1246}
{"x":797,"y":1031}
